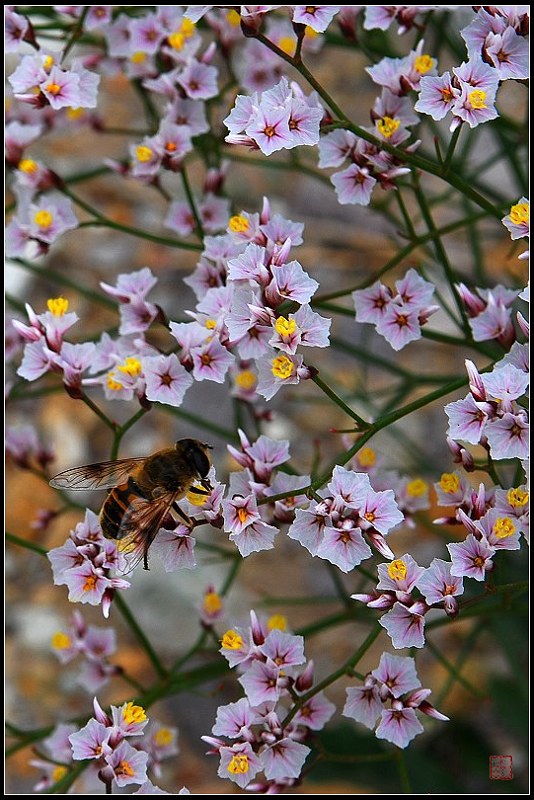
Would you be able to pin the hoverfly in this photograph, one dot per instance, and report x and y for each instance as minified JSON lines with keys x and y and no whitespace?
{"x":141,"y":491}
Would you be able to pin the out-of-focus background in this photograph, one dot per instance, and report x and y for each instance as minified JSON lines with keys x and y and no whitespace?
{"x":343,"y":245}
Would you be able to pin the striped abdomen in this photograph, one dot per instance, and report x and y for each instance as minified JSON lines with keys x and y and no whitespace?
{"x":115,"y":506}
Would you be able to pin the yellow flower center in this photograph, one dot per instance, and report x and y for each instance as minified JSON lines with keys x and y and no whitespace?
{"x":53,"y":88}
{"x":246,"y":380}
{"x":503,"y":528}
{"x":133,"y":714}
{"x":163,"y":737}
{"x":238,"y":224}
{"x":517,"y":497}
{"x":138,"y":58}
{"x":58,"y":773}
{"x":43,"y":218}
{"x":233,"y":18}
{"x":424,"y":63}
{"x":277,"y":622}
{"x":367,"y":457}
{"x":242,"y":514}
{"x":185,"y":31}
{"x":397,"y":570}
{"x":211,"y":324}
{"x":449,"y":482}
{"x":370,"y":516}
{"x":387,"y":126}
{"x":282,"y":367}
{"x":89,"y":584}
{"x":28,"y":166}
{"x":416,"y":488}
{"x":176,"y":40}
{"x":310,"y":32}
{"x":131,"y":366}
{"x":477,"y":99}
{"x":287,"y":44}
{"x":519,"y":214}
{"x":125,"y":768}
{"x":212,"y":603}
{"x":239,"y":764}
{"x":285,"y":327}
{"x":48,"y":63}
{"x":75,"y":113}
{"x":58,"y":306}
{"x":231,"y":640}
{"x":112,"y":384}
{"x":143,"y":153}
{"x":61,"y":641}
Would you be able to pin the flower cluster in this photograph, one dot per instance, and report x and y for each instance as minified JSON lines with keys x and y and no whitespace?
{"x":244,"y":519}
{"x":392,"y":692}
{"x":96,"y":645}
{"x":517,"y":221}
{"x":40,"y":81}
{"x":116,"y":761}
{"x":84,"y":562}
{"x":491,"y":414}
{"x":333,"y":526}
{"x":490,"y":312}
{"x":273,"y":669}
{"x":397,"y":316}
{"x":38,"y":223}
{"x":282,"y":118}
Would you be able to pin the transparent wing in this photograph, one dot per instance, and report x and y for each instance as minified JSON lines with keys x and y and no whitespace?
{"x":140,"y":524}
{"x":103,"y":475}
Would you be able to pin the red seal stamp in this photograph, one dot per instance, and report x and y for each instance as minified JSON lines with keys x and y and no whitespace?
{"x":500,"y":768}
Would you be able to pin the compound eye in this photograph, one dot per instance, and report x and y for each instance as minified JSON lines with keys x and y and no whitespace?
{"x":201,"y":462}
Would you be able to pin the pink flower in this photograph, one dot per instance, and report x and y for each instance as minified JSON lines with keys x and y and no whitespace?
{"x":399,"y":726}
{"x":405,"y":626}
{"x":471,"y":558}
{"x":354,"y":185}
{"x":166,"y":379}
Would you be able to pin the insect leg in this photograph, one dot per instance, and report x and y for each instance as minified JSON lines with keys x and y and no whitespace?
{"x":182,"y":514}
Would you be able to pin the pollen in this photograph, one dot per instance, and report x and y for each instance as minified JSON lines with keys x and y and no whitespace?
{"x":43,"y":218}
{"x":277,"y":622}
{"x":58,"y":773}
{"x":90,"y":583}
{"x":416,"y":488}
{"x":112,"y":384}
{"x":503,"y":528}
{"x":269,"y":131}
{"x":28,"y":166}
{"x":61,"y":641}
{"x":246,"y":380}
{"x":143,"y":153}
{"x":387,"y":126}
{"x":367,"y":457}
{"x":75,"y":113}
{"x":424,"y":63}
{"x":287,"y":44}
{"x":370,"y":516}
{"x":282,"y":367}
{"x":58,"y":306}
{"x":238,"y":224}
{"x":171,"y":147}
{"x":231,"y":640}
{"x":131,"y":367}
{"x":125,"y":768}
{"x":176,"y":40}
{"x":397,"y":570}
{"x":449,"y":482}
{"x":239,"y":764}
{"x":48,"y":62}
{"x":447,"y":94}
{"x":53,"y":88}
{"x":138,"y":58}
{"x":206,"y":359}
{"x":211,"y":324}
{"x":163,"y":737}
{"x":242,"y":514}
{"x":519,"y":214}
{"x":212,"y":603}
{"x":517,"y":497}
{"x":285,"y":327}
{"x":133,"y":714}
{"x":233,"y":18}
{"x":477,"y":98}
{"x":478,"y":561}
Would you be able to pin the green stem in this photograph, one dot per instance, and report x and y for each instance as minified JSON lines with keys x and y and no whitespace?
{"x":192,"y":204}
{"x":140,"y":635}
{"x":362,"y":424}
{"x":35,"y":548}
{"x":99,"y":413}
{"x":453,"y":671}
{"x":101,"y":221}
{"x":452,"y":146}
{"x":334,"y":676}
{"x":201,"y":422}
{"x":403,"y":772}
{"x":122,"y":430}
{"x":291,"y":166}
{"x":63,"y":280}
{"x":76,"y":33}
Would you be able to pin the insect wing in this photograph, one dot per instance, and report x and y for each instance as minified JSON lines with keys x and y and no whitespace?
{"x":103,"y":475}
{"x":140,"y":524}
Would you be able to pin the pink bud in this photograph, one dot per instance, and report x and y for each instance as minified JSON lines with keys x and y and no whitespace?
{"x":207,"y":58}
{"x":305,"y":680}
{"x":450,"y":605}
{"x":476,"y":386}
{"x":100,"y":714}
{"x":379,"y":543}
{"x":523,"y":324}
{"x":281,"y":253}
{"x":265,"y":214}
{"x":429,"y":709}
{"x":467,"y":522}
{"x":258,"y":636}
{"x":473,"y":303}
